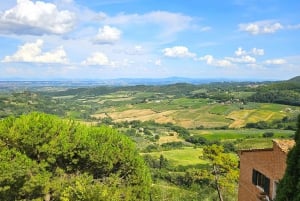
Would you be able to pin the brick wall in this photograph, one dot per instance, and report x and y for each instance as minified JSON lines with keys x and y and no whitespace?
{"x":269,"y":162}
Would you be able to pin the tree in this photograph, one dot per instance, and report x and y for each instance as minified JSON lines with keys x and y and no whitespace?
{"x":43,"y":157}
{"x":268,"y":134}
{"x":224,"y":169}
{"x":163,"y":162}
{"x":289,"y":186}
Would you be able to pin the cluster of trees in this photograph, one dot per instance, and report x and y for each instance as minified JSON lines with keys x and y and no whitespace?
{"x":289,"y":186}
{"x":287,"y":92}
{"x":284,"y":123}
{"x":47,"y":158}
{"x":219,"y":177}
{"x":286,"y":97}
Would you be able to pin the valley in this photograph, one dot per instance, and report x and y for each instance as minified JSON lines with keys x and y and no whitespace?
{"x":172,"y":124}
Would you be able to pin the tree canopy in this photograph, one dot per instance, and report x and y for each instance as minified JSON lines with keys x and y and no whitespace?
{"x":224,"y":170}
{"x":43,"y":157}
{"x":289,"y":186}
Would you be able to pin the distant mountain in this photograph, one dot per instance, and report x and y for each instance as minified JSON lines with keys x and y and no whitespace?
{"x":109,"y":82}
{"x":295,"y":79}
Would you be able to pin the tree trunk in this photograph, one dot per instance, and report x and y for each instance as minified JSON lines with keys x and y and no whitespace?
{"x":47,"y":197}
{"x":217,"y":183}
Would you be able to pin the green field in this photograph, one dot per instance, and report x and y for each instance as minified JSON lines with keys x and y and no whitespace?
{"x":187,"y":156}
{"x":240,"y":133}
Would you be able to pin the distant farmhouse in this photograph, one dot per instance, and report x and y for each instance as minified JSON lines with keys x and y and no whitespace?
{"x":261,"y":170}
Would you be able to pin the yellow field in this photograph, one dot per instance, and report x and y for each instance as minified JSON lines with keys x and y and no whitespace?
{"x":193,"y":117}
{"x":169,"y":138}
{"x":242,"y":117}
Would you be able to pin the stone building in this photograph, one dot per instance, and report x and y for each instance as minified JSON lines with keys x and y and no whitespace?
{"x":261,"y":170}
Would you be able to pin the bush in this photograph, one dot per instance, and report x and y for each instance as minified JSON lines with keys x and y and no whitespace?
{"x":171,"y":145}
{"x":229,"y":147}
{"x":268,"y":134}
{"x":198,"y":140}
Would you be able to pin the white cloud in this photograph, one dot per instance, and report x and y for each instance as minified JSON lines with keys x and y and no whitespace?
{"x":108,"y":35}
{"x":170,"y":22}
{"x":259,"y":52}
{"x":32,"y":52}
{"x":210,"y":60}
{"x":240,"y":52}
{"x":261,"y":27}
{"x":97,"y":58}
{"x":178,"y":52}
{"x":275,"y":61}
{"x":36,"y":18}
{"x":255,"y":51}
{"x":242,"y":59}
{"x":223,"y":63}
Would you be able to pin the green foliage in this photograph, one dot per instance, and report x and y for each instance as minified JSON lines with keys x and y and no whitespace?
{"x":289,"y":186}
{"x":43,"y":157}
{"x":183,"y":132}
{"x":287,"y":93}
{"x":224,"y":169}
{"x":163,"y":191}
{"x":171,"y":145}
{"x":229,"y":147}
{"x":268,"y":134}
{"x":198,"y":140}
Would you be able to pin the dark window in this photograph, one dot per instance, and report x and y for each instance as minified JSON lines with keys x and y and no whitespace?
{"x":258,"y":179}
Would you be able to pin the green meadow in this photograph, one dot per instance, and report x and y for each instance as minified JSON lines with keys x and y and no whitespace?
{"x":186,"y":156}
{"x":234,"y":134}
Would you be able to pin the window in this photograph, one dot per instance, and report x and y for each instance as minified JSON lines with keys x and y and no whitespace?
{"x":261,"y":180}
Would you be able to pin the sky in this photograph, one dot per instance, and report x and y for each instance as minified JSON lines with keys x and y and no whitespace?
{"x":107,"y":39}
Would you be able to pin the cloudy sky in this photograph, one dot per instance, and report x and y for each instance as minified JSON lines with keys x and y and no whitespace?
{"x":85,"y":39}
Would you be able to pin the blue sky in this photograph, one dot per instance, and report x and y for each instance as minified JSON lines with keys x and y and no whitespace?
{"x":81,"y":39}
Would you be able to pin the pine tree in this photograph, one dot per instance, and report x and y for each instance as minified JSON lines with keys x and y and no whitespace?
{"x":289,"y":186}
{"x":43,"y":157}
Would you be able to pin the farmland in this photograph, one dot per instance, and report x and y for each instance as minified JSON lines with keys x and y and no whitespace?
{"x":170,"y":124}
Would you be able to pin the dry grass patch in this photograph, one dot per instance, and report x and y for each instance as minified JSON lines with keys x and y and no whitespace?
{"x":142,"y":115}
{"x":242,"y":117}
{"x":169,"y":138}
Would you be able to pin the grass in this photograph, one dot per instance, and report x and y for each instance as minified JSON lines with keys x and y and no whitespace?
{"x":223,"y":109}
{"x":254,"y":143}
{"x":187,"y":156}
{"x":164,"y":191}
{"x":240,"y":133}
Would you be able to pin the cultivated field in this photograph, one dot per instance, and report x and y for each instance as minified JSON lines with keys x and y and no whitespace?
{"x":194,"y":113}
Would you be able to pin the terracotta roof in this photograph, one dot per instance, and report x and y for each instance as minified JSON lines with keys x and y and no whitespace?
{"x":285,"y":145}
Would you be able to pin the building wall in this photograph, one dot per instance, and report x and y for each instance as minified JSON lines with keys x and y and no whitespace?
{"x":269,"y":162}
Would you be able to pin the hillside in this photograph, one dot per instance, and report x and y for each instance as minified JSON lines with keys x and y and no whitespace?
{"x":283,"y":92}
{"x":295,"y":79}
{"x":214,"y":105}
